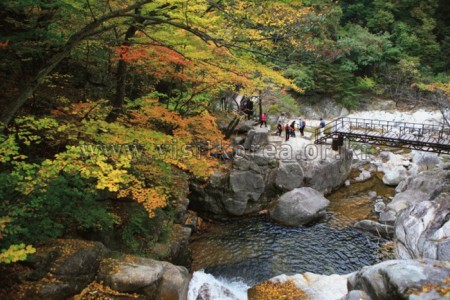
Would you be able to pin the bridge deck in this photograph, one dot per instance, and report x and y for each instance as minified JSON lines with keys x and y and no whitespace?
{"x":423,"y":137}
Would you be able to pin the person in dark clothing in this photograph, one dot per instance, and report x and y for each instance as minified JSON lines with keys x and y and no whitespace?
{"x":302,"y":126}
{"x":288,"y":132}
{"x":249,"y":109}
{"x":322,"y":126}
{"x":293,"y":128}
{"x":279,"y":128}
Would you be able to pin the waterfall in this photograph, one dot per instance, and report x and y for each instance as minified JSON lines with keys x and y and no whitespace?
{"x":204,"y":286}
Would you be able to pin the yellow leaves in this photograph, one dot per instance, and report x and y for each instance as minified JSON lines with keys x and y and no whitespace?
{"x":111,"y":180}
{"x":274,"y":290}
{"x":150,"y":198}
{"x":16,"y":253}
{"x":9,"y":149}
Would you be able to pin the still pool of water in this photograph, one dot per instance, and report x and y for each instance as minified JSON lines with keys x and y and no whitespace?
{"x":254,"y":249}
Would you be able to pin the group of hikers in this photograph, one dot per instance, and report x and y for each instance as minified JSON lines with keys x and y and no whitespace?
{"x":282,"y":124}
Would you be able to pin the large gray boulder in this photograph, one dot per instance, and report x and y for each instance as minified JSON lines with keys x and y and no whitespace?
{"x":245,"y":186}
{"x":299,"y":206}
{"x":154,"y":279}
{"x":289,"y":176}
{"x":403,"y":279}
{"x":325,"y":175}
{"x":423,"y":230}
{"x":256,"y":138}
{"x":424,"y":186}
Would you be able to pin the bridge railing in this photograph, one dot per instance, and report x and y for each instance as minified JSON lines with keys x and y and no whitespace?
{"x":383,"y":127}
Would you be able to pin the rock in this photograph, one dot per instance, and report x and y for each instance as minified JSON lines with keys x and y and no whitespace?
{"x":372,"y":194}
{"x":425,"y":160}
{"x":312,"y":286}
{"x":289,"y":176}
{"x":323,"y":107}
{"x":325,"y":175}
{"x":406,"y":198}
{"x":421,"y":187}
{"x":299,"y":206}
{"x":375,"y":228}
{"x":130,"y":274}
{"x":347,"y":183}
{"x":392,"y":167}
{"x":399,"y":279}
{"x":356,"y":295}
{"x":156,"y":279}
{"x":379,"y":206}
{"x":363,"y":176}
{"x":238,"y":140}
{"x":387,"y":217}
{"x":423,"y":230}
{"x":245,"y":186}
{"x":393,"y":176}
{"x":246,"y":126}
{"x":68,"y":266}
{"x":256,"y":138}
{"x":241,"y":163}
{"x":175,"y":247}
{"x":174,"y":283}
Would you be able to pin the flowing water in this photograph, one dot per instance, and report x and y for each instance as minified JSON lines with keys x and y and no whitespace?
{"x":243,"y":252}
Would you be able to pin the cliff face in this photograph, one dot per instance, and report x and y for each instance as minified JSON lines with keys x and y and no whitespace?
{"x":266,"y":170}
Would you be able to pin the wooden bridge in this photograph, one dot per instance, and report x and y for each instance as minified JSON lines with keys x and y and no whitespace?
{"x":422,"y":137}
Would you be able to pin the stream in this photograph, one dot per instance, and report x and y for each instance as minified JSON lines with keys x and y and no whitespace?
{"x":234,"y":255}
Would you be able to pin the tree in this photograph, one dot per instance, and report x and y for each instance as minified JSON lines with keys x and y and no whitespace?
{"x":98,"y":25}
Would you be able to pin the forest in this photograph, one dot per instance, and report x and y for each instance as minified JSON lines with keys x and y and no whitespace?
{"x":108,"y":107}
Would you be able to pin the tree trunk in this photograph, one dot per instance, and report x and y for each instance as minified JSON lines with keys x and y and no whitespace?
{"x":122,"y":72}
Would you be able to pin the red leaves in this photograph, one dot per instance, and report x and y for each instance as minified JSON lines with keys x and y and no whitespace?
{"x":4,"y":45}
{"x":156,"y":53}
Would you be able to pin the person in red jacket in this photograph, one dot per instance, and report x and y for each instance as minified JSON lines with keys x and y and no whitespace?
{"x":263,"y":120}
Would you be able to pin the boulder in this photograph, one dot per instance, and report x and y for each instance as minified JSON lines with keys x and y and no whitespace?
{"x":155,"y":279}
{"x":423,"y":230}
{"x":363,"y":176}
{"x":426,"y":160}
{"x":289,"y":176}
{"x":356,"y":295}
{"x":61,"y":269}
{"x":376,"y":228}
{"x":245,"y":186}
{"x":256,"y":138}
{"x":299,"y":206}
{"x":392,"y":167}
{"x":238,"y":140}
{"x":403,"y":279}
{"x":424,"y":186}
{"x":325,"y":175}
{"x":176,"y":245}
{"x":246,"y":126}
